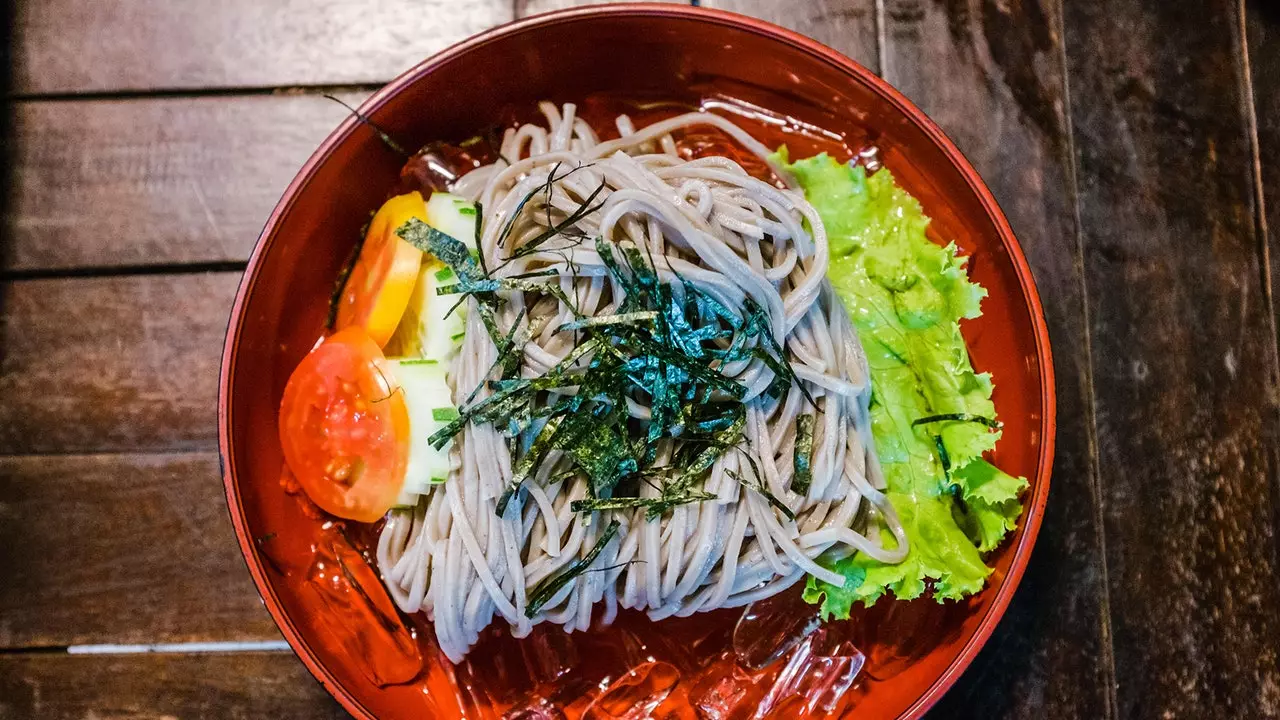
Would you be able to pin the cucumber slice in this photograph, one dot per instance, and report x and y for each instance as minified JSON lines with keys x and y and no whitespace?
{"x":453,"y":216}
{"x":429,"y":401}
{"x":427,"y":329}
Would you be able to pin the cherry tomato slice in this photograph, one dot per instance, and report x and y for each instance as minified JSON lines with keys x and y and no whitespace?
{"x":382,"y":279}
{"x":343,"y":428}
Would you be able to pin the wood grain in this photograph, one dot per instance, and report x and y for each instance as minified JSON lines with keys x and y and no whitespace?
{"x":1159,"y":300}
{"x":162,"y":181}
{"x":1184,"y":355}
{"x":845,"y":25}
{"x":153,"y":687}
{"x":121,"y":549}
{"x":155,"y":180}
{"x":112,"y":364}
{"x":525,"y":8}
{"x":991,"y":75}
{"x":67,"y":46}
{"x":1264,"y":57}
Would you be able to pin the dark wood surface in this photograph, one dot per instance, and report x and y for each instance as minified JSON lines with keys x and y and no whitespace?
{"x":992,"y":76}
{"x":243,"y":686}
{"x":1134,"y":145}
{"x":1184,"y":354}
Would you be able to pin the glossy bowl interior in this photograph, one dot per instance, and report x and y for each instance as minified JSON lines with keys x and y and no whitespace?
{"x":640,"y":49}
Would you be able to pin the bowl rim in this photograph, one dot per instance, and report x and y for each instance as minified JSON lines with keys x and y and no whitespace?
{"x":1048,"y":423}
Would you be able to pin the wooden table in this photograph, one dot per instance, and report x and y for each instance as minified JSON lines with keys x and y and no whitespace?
{"x":1135,"y":146}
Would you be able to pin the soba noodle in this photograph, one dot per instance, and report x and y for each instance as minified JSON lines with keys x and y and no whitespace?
{"x":736,"y":238}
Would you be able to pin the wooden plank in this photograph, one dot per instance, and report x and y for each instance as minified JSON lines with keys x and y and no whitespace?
{"x":152,"y":687}
{"x":525,"y":8}
{"x":112,"y":364}
{"x":845,"y":25}
{"x":1264,"y":58}
{"x":1184,"y":352}
{"x":992,"y":77}
{"x":66,"y":46}
{"x":160,"y":181}
{"x":121,"y":549}
{"x":155,"y":180}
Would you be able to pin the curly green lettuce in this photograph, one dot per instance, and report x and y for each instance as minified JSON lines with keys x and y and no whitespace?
{"x":906,"y":296}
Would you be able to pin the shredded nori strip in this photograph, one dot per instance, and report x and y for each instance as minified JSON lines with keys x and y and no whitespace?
{"x":382,"y":134}
{"x":656,"y":506}
{"x":803,"y":475}
{"x":959,"y":417}
{"x":546,"y":188}
{"x":943,"y":457}
{"x":450,"y":250}
{"x":541,"y":444}
{"x":617,"y":319}
{"x":598,"y":443}
{"x":648,"y":350}
{"x":480,"y":235}
{"x":547,"y":589}
{"x":560,"y":228}
{"x":760,"y":488}
{"x":773,"y":356}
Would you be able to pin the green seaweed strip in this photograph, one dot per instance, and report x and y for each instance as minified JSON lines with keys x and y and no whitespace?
{"x":547,"y":589}
{"x":959,"y":417}
{"x":804,"y":454}
{"x":760,"y":488}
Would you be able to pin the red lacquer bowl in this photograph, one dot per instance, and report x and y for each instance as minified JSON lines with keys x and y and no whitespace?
{"x":629,"y":49}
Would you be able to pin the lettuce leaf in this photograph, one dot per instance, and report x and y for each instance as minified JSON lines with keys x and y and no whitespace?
{"x":906,"y":296}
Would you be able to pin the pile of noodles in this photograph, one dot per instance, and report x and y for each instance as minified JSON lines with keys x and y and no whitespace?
{"x":736,"y":238}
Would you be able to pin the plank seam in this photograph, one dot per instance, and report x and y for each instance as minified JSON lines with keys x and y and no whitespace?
{"x":201,"y":92}
{"x":45,"y":646}
{"x":158,"y":453}
{"x":110,"y":271}
{"x":1259,"y":192}
{"x":228,"y":647}
{"x":882,"y":39}
{"x":210,"y":450}
{"x":1108,"y":659}
{"x":1263,"y":232}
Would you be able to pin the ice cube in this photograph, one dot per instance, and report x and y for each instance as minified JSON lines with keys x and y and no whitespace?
{"x":495,"y":665}
{"x":635,"y":695}
{"x":692,"y":643}
{"x":535,"y":709}
{"x":359,"y":614}
{"x":816,"y":678}
{"x":725,"y":690}
{"x":895,"y":635}
{"x":771,"y":627}
{"x":468,"y":690}
{"x":675,"y":708}
{"x":725,"y":694}
{"x":549,"y":653}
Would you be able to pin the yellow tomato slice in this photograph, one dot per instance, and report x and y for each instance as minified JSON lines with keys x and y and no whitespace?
{"x":382,"y":279}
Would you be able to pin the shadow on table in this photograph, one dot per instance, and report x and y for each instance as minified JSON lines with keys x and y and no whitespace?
{"x":1268,"y":9}
{"x":9,"y":544}
{"x":8,"y":149}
